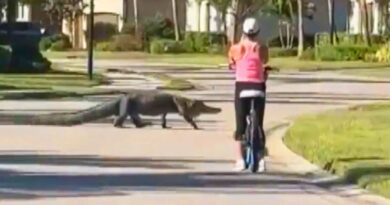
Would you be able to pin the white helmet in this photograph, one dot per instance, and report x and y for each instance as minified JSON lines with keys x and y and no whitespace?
{"x":250,"y":26}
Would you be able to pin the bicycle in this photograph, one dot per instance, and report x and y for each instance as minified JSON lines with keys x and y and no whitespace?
{"x":253,"y":137}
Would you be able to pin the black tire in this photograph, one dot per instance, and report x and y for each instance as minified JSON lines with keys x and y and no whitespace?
{"x":254,"y":142}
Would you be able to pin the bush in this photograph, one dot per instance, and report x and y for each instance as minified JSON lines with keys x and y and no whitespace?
{"x":104,"y":46}
{"x":323,"y":39}
{"x":159,"y":46}
{"x":59,"y":46}
{"x":57,"y":42}
{"x":158,"y":27}
{"x":45,"y":43}
{"x":343,"y":53}
{"x":383,"y":54}
{"x":5,"y":57}
{"x":308,"y":54}
{"x":128,"y":28}
{"x":201,"y":42}
{"x":309,"y":41}
{"x":104,"y":31}
{"x":283,"y":52}
{"x":216,"y":49}
{"x":125,"y":42}
{"x":370,"y":57}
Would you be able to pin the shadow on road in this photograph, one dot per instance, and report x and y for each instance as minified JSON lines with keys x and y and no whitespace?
{"x":22,"y":185}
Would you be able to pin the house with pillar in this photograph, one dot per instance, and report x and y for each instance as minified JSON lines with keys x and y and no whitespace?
{"x":375,"y":18}
{"x":200,"y":15}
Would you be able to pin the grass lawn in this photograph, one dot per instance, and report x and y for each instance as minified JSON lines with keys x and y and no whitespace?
{"x":171,"y":83}
{"x":354,"y":143}
{"x":372,"y":72}
{"x":295,"y":64}
{"x":50,"y":80}
{"x":199,"y":59}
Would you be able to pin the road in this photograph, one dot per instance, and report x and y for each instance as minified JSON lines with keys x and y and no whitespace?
{"x":98,"y":164}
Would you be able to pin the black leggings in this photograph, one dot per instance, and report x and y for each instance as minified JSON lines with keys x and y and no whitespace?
{"x":242,"y":108}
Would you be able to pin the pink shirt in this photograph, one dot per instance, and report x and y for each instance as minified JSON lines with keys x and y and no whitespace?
{"x":248,"y":65}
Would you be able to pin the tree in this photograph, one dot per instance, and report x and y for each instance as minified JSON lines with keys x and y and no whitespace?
{"x":222,"y":7}
{"x":70,"y":10}
{"x":301,"y":37}
{"x":305,"y":9}
{"x":332,"y":25}
{"x":366,"y":27}
{"x":241,"y":10}
{"x":58,"y":10}
{"x":135,"y":6}
{"x":175,"y":20}
{"x":285,"y":10}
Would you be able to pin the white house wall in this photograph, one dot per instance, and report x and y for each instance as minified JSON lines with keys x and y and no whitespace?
{"x":108,"y":6}
{"x":23,"y":13}
{"x":214,"y":19}
{"x":355,"y":19}
{"x":192,"y":16}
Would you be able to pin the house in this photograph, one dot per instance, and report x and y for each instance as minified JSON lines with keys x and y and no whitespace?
{"x":23,"y":13}
{"x":119,"y":12}
{"x":269,"y":23}
{"x":30,"y":13}
{"x":195,"y":15}
{"x":348,"y":14}
{"x":375,"y":9}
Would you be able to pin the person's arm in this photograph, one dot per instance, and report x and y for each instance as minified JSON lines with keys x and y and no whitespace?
{"x":231,"y":62}
{"x":264,"y":54}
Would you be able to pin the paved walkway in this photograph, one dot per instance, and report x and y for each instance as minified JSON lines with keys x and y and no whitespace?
{"x":98,"y":164}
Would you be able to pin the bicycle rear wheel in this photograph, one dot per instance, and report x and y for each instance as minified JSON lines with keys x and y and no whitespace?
{"x":254,"y":140}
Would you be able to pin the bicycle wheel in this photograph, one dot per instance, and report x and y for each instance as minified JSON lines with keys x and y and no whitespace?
{"x":246,"y":143}
{"x":254,"y":142}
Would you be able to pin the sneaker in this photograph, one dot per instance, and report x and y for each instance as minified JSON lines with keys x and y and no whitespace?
{"x":262,"y":165}
{"x":239,"y":166}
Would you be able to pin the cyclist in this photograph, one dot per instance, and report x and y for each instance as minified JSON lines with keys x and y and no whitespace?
{"x":248,"y":58}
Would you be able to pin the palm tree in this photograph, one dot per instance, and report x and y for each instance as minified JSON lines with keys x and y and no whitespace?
{"x":331,"y":20}
{"x":367,"y":36}
{"x":285,"y":10}
{"x":136,"y":25}
{"x":300,"y":28}
{"x":175,"y":20}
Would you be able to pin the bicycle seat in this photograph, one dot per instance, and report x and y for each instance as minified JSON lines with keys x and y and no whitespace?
{"x":251,"y":94}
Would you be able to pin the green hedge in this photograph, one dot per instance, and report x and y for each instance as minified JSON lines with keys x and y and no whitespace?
{"x":200,"y":42}
{"x":57,"y":42}
{"x":121,"y":42}
{"x":104,"y":31}
{"x":283,"y":52}
{"x":308,"y":41}
{"x":5,"y":57}
{"x":323,"y":39}
{"x":343,"y":53}
{"x":159,"y":46}
{"x":308,"y":54}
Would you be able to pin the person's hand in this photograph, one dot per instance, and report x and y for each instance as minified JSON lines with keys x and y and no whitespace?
{"x":267,"y":68}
